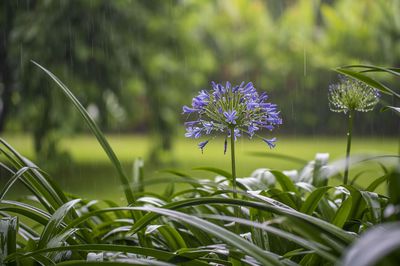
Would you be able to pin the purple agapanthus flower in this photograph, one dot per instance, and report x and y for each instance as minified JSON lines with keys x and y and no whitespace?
{"x":226,"y":108}
{"x":230,"y":117}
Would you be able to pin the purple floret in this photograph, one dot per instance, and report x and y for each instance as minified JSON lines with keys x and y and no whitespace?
{"x":270,"y":142}
{"x":230,"y":117}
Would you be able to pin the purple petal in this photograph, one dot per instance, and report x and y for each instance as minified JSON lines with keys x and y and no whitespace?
{"x":188,"y":110}
{"x":270,"y":142}
{"x":225,"y":145}
{"x":202,"y":145}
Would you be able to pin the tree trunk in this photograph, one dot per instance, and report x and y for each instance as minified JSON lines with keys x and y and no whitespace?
{"x":43,"y":123}
{"x":5,"y":69}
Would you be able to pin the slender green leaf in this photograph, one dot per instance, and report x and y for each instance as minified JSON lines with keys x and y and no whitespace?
{"x":12,"y":180}
{"x":308,"y":231}
{"x":358,"y":203}
{"x":394,"y":186}
{"x":374,"y":245}
{"x":175,"y":172}
{"x":56,"y":196}
{"x":48,"y":194}
{"x":26,"y":210}
{"x":313,"y":200}
{"x":284,"y":197}
{"x":279,"y":156}
{"x":310,"y":259}
{"x":5,"y":167}
{"x":198,"y":252}
{"x":373,"y":205}
{"x":59,"y":239}
{"x":24,"y":230}
{"x":169,"y":190}
{"x":199,"y":236}
{"x":320,"y":175}
{"x":343,"y":212}
{"x":194,"y":191}
{"x":138,"y":175}
{"x":8,"y":238}
{"x":151,"y":200}
{"x":384,"y":168}
{"x":263,"y":256}
{"x":190,"y":181}
{"x":172,"y":236}
{"x":215,"y":170}
{"x":367,"y":80}
{"x":102,"y":231}
{"x":114,"y":233}
{"x":158,"y":254}
{"x":326,"y":209}
{"x":51,"y":228}
{"x":266,"y":206}
{"x":317,"y":247}
{"x":96,"y":131}
{"x":94,"y":213}
{"x":297,"y":252}
{"x":316,"y":223}
{"x":392,"y":70}
{"x":42,"y":260}
{"x":285,"y":181}
{"x":138,"y":262}
{"x":393,"y":108}
{"x":357,"y":176}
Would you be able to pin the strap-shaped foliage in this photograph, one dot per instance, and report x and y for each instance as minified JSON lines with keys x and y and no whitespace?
{"x":98,"y":134}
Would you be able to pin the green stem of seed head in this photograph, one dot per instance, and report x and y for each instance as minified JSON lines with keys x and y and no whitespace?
{"x":349,"y":133}
{"x":396,"y":103}
{"x":399,"y":144}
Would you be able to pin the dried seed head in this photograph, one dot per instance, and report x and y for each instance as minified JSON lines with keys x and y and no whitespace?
{"x":352,"y":95}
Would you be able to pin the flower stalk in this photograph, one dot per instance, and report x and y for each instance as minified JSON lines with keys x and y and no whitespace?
{"x":231,"y":111}
{"x":348,"y":96}
{"x":349,"y":135}
{"x":233,"y":162}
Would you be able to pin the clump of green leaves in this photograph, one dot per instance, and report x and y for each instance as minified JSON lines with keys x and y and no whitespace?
{"x":286,"y":217}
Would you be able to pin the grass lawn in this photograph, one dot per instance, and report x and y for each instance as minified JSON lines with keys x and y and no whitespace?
{"x":90,"y":173}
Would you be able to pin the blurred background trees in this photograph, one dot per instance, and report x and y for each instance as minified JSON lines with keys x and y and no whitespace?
{"x":134,"y":63}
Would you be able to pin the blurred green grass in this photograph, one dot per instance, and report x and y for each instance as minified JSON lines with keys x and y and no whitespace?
{"x":90,"y":174}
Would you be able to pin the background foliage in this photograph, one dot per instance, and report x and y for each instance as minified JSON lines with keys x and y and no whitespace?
{"x":134,"y":63}
{"x":275,"y":217}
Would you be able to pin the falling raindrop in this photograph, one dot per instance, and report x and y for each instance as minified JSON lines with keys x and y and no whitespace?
{"x":304,"y":62}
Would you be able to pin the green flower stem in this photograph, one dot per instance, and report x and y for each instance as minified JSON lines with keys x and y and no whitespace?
{"x":349,"y":133}
{"x":233,"y":162}
{"x":234,"y":175}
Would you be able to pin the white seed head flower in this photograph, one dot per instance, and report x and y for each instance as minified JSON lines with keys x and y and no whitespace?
{"x":352,"y":95}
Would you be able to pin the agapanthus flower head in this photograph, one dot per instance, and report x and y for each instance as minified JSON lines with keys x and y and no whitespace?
{"x":352,"y":95}
{"x":226,"y":108}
